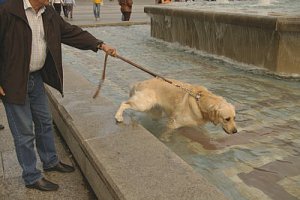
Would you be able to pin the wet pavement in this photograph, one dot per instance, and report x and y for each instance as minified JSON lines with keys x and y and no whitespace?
{"x":261,"y":161}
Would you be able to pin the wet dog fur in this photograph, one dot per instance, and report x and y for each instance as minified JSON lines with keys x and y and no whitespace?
{"x":181,"y":108}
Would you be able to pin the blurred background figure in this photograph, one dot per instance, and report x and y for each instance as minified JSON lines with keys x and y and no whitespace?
{"x":57,"y":4}
{"x":69,"y":4}
{"x":126,"y":7}
{"x":96,"y":8}
{"x":64,"y":9}
{"x":163,"y":1}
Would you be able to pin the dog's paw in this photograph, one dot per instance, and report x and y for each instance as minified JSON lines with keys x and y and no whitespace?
{"x":164,"y":138}
{"x":119,"y":119}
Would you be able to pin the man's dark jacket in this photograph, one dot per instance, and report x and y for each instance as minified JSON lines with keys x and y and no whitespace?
{"x":15,"y":48}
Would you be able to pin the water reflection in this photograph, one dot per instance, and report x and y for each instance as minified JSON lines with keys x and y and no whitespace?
{"x":247,"y":165}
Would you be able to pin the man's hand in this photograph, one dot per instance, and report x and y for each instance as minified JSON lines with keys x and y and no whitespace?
{"x":2,"y":93}
{"x":111,"y":51}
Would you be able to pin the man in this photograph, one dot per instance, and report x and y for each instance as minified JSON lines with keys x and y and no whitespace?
{"x":126,"y":7}
{"x":31,"y":33}
{"x":57,"y":5}
{"x":96,"y":8}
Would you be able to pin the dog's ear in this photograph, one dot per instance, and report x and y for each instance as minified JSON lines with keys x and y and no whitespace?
{"x":214,"y":114}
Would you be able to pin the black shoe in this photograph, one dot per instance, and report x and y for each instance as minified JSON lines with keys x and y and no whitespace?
{"x":1,"y":127}
{"x":61,"y":167}
{"x":43,"y":185}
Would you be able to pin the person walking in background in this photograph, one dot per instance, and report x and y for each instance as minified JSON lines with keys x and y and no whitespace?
{"x":69,"y":4}
{"x":32,"y":59}
{"x":96,"y":8}
{"x":64,"y":7}
{"x":163,"y":1}
{"x":126,"y":7}
{"x":57,"y":4}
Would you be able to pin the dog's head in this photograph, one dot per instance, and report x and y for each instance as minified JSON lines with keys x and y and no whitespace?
{"x":224,"y":114}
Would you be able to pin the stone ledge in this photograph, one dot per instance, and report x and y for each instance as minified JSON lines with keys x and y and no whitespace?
{"x":271,"y":42}
{"x":262,"y":22}
{"x":121,"y":161}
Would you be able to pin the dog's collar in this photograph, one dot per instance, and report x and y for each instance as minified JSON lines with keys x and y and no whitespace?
{"x":197,"y":96}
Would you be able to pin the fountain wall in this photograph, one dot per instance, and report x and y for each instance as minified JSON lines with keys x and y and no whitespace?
{"x":271,"y":42}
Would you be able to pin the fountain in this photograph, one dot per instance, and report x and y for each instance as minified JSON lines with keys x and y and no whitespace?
{"x":261,"y":161}
{"x":263,"y":33}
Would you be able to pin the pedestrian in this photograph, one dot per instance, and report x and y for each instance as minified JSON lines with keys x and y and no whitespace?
{"x":69,"y":4}
{"x":64,"y":6}
{"x":57,"y":4}
{"x":163,"y":1}
{"x":35,"y":58}
{"x":126,"y":7}
{"x":96,"y":8}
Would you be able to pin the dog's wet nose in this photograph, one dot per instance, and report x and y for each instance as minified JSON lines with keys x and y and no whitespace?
{"x":234,"y":131}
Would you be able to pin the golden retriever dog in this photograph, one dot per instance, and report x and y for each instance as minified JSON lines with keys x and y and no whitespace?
{"x":181,"y":107}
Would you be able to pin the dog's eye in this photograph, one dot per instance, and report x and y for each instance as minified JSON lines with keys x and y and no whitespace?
{"x":227,"y":119}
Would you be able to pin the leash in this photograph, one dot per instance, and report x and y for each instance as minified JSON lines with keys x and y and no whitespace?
{"x":102,"y":78}
{"x":196,"y":96}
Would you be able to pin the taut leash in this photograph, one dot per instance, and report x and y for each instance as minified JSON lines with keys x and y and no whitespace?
{"x":142,"y":68}
{"x":196,"y":96}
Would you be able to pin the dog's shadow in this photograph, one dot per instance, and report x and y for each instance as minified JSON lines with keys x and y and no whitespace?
{"x":209,"y":136}
{"x":158,"y":127}
{"x":155,"y":126}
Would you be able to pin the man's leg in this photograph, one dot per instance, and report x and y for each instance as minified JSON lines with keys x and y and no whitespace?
{"x":71,"y":10}
{"x":95,"y":10}
{"x":98,"y":9}
{"x":21,"y":118}
{"x":20,"y":122}
{"x":126,"y":16}
{"x":42,"y":119}
{"x":65,"y":10}
{"x":57,"y":7}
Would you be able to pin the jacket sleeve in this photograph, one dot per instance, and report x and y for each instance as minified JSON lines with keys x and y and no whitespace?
{"x":76,"y":37}
{"x":2,"y":28}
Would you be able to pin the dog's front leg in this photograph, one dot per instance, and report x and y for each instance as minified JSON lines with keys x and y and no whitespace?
{"x":119,"y":114}
{"x":166,"y":135}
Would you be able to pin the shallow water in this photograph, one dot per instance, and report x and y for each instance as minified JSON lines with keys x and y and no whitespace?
{"x":260,"y":7}
{"x":262,"y":161}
